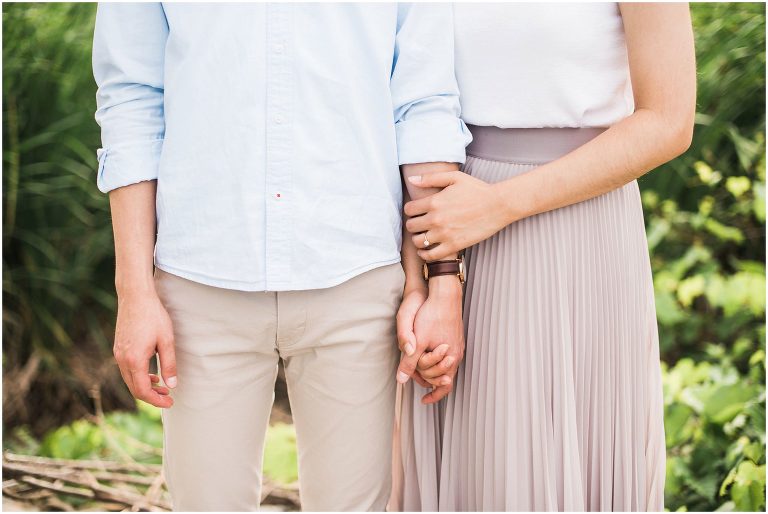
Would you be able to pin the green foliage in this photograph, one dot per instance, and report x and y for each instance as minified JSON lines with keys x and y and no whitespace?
{"x":280,"y":459}
{"x":139,"y":436}
{"x":715,"y":430}
{"x":706,"y":230}
{"x":57,"y":242}
{"x":705,"y":215}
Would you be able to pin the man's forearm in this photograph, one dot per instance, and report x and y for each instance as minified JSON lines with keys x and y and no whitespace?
{"x":134,"y":223}
{"x":411,"y":262}
{"x":417,"y":193}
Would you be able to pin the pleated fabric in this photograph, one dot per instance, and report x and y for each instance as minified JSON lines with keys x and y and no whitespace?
{"x":558,"y":404}
{"x":417,"y":451}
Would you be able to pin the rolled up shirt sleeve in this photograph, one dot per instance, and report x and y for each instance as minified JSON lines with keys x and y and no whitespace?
{"x":128,"y":60}
{"x":423,"y":86}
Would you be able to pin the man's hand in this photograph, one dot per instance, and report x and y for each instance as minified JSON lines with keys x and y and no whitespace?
{"x":143,"y":329}
{"x":439,"y":335}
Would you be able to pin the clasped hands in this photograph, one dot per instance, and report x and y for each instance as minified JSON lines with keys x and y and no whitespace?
{"x":430,"y":334}
{"x":429,"y":323}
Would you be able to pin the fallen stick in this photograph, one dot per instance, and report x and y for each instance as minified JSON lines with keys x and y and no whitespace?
{"x":96,"y":464}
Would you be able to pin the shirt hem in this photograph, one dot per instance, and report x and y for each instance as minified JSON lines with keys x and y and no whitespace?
{"x":261,"y":286}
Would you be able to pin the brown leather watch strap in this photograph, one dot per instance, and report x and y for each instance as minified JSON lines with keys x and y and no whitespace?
{"x":439,"y":268}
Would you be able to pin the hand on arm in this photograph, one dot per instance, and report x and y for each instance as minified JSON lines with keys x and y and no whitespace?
{"x":430,"y":138}
{"x":430,"y":317}
{"x":660,"y":48}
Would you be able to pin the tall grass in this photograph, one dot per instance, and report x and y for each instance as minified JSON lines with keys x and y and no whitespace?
{"x":58,"y":297}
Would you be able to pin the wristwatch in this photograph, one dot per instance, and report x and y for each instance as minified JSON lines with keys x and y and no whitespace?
{"x":450,"y":267}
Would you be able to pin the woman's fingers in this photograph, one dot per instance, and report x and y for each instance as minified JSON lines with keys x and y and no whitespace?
{"x":429,"y":359}
{"x":418,"y":207}
{"x":419,"y":224}
{"x":438,"y":252}
{"x":441,"y":368}
{"x":439,"y":179}
{"x":436,"y":395}
{"x":421,"y":240}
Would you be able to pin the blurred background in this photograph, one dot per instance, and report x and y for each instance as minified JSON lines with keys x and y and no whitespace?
{"x":70,"y":425}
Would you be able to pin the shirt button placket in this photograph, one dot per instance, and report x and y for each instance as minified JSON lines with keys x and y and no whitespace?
{"x":279,"y":226}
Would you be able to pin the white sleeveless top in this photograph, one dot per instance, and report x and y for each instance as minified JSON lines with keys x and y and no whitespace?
{"x":528,"y":65}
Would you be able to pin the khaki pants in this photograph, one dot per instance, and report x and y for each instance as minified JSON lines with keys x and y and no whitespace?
{"x":340,"y":354}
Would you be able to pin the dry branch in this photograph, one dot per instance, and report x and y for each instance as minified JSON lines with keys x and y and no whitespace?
{"x":106,"y":485}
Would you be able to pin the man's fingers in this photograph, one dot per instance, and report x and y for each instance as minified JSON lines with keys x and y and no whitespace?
{"x":442,"y":380}
{"x":156,"y":384}
{"x":167,"y":354}
{"x":436,"y":395}
{"x":429,"y":359}
{"x":144,"y":391}
{"x":419,"y":380}
{"x":127,"y":379}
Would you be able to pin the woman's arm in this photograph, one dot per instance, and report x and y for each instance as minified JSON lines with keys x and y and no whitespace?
{"x":659,"y":40}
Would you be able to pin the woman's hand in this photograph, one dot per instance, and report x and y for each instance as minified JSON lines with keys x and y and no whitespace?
{"x":465,"y":212}
{"x":436,"y":332}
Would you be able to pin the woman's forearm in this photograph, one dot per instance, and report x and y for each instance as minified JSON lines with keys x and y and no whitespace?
{"x":621,"y":154}
{"x":662,"y":67}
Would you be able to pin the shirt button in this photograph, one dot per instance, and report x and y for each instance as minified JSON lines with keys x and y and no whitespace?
{"x":278,"y":118}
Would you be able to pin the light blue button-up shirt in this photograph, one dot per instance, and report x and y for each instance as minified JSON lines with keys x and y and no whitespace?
{"x":274,"y":131}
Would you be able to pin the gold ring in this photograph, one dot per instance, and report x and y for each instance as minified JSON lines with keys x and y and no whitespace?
{"x":426,"y":241}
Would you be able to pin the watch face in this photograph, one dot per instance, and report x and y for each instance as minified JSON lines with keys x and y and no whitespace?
{"x":462,"y":271}
{"x":425,"y":271}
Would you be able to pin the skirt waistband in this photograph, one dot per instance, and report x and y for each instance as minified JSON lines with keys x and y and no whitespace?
{"x":527,"y":145}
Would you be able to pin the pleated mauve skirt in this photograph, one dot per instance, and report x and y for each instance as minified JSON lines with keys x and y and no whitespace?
{"x":558,"y":404}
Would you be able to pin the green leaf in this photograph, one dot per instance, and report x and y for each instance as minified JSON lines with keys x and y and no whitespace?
{"x":689,"y":289}
{"x":758,"y":204}
{"x":748,"y":490}
{"x":706,"y":174}
{"x":677,"y":424}
{"x":725,"y":402}
{"x":723,"y":232}
{"x":737,"y":186}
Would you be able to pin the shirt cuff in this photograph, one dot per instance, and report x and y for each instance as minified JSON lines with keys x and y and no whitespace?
{"x":436,"y":139}
{"x":128,"y":163}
